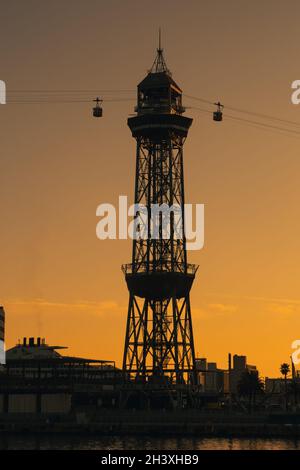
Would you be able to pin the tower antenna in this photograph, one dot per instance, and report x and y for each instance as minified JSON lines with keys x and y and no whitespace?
{"x":159,"y":40}
{"x":159,"y":64}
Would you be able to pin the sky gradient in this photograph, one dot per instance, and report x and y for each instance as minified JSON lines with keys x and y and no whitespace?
{"x":57,"y":164}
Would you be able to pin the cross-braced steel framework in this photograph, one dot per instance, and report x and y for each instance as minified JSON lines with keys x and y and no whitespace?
{"x":159,"y":345}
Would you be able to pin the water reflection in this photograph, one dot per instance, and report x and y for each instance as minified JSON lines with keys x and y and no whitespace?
{"x":30,"y":442}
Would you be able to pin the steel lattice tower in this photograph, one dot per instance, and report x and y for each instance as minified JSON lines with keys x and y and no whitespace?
{"x":159,"y":345}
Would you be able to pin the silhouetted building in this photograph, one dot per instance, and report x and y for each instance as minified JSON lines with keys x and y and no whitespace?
{"x":279,"y":392}
{"x":37,"y":359}
{"x":211,"y":378}
{"x":240,"y":366}
{"x":275,"y":385}
{"x":38,"y":379}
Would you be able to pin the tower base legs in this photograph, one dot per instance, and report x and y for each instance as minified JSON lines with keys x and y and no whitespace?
{"x":159,"y":344}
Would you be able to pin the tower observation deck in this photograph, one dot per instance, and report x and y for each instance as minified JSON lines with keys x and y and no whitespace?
{"x":159,"y":344}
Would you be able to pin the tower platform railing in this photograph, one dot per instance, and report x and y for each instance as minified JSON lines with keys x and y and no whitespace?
{"x":165,"y":267}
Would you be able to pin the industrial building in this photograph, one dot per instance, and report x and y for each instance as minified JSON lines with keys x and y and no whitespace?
{"x":35,"y":358}
{"x":37,"y":378}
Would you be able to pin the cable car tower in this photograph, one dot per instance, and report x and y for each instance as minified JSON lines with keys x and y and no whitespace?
{"x":159,"y":344}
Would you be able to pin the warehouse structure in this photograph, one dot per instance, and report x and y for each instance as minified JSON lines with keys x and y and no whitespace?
{"x":37,"y":378}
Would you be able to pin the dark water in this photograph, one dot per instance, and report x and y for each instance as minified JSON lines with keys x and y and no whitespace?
{"x":143,"y":443}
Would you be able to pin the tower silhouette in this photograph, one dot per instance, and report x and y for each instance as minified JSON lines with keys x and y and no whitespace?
{"x":159,"y":344}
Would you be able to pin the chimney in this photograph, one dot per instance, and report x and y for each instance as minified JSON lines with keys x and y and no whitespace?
{"x":31,"y":342}
{"x":229,"y":362}
{"x":38,"y":342}
{"x":24,"y":341}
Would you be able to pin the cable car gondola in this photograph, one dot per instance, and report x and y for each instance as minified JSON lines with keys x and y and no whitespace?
{"x":97,"y":110}
{"x":218,"y":115}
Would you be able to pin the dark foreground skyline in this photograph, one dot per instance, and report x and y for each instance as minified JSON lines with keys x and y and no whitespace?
{"x":58,"y":164}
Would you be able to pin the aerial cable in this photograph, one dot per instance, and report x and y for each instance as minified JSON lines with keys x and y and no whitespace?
{"x":256,"y":124}
{"x":253,"y":113}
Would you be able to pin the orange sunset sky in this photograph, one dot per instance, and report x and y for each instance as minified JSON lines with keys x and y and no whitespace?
{"x":57,"y":164}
